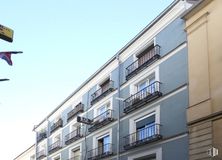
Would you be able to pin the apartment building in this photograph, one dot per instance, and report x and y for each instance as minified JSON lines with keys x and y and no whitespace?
{"x":204,"y":114}
{"x":28,"y":154}
{"x":133,"y":107}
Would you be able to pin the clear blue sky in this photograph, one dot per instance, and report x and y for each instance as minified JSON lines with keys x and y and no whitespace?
{"x":64,"y":42}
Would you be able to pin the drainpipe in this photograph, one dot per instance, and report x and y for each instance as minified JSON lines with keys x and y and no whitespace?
{"x":118,"y":94}
{"x":35,"y":142}
{"x":47,"y":138}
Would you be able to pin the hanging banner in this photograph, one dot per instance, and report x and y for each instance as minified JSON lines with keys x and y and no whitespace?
{"x":6,"y":33}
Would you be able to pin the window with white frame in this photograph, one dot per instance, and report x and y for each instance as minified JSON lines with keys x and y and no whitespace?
{"x":103,"y":144}
{"x":57,"y":157}
{"x":145,"y":127}
{"x":145,"y":55}
{"x":146,"y":85}
{"x":75,"y":153}
{"x":57,"y":138}
{"x":102,"y":112}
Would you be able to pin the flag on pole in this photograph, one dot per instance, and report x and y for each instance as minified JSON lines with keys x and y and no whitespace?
{"x":7,"y":56}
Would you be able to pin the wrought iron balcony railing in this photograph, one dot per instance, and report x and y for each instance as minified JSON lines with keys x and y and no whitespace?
{"x":143,"y":136}
{"x":75,"y":158}
{"x":55,"y":147}
{"x":56,"y":125}
{"x":100,"y":152}
{"x":143,"y":62}
{"x":73,"y":136}
{"x":41,"y":136}
{"x":78,"y":108}
{"x":102,"y":92}
{"x":41,"y":154}
{"x":142,"y":97}
{"x":102,"y":120}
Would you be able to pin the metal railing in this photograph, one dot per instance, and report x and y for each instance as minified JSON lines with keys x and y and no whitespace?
{"x":41,"y":154}
{"x":55,"y":146}
{"x":41,"y":136}
{"x":56,"y":125}
{"x":102,"y":120}
{"x":75,"y":158}
{"x":74,"y":135}
{"x":144,"y":61}
{"x":100,"y":152}
{"x":148,"y":93}
{"x":78,"y":108}
{"x":143,"y":136}
{"x":102,"y":91}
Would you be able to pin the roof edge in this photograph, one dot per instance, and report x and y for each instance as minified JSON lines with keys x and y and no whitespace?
{"x":152,"y":23}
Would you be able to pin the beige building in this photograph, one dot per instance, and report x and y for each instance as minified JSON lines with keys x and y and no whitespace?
{"x":204,"y":114}
{"x":28,"y":154}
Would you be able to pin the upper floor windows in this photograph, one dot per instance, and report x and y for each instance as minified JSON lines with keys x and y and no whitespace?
{"x":144,"y":59}
{"x":75,"y":153}
{"x":143,"y":92}
{"x":76,"y":110}
{"x":102,"y":146}
{"x":144,"y":128}
{"x":56,"y":125}
{"x":102,"y":116}
{"x":105,"y":88}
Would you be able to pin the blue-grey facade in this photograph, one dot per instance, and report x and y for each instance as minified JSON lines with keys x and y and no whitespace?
{"x":133,"y":108}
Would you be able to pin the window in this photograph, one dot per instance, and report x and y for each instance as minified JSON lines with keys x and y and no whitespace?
{"x":57,"y":158}
{"x":105,"y":85}
{"x":104,"y":145}
{"x":146,"y":127}
{"x":75,"y":153}
{"x":57,"y":138}
{"x":102,"y":112}
{"x":146,"y":55}
{"x":143,"y":86}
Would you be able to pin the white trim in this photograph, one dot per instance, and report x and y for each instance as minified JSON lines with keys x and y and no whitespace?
{"x":74,"y":147}
{"x":154,"y":110}
{"x":157,"y":151}
{"x":58,"y":155}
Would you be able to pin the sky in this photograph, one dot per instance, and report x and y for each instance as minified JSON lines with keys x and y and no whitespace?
{"x":63,"y":43}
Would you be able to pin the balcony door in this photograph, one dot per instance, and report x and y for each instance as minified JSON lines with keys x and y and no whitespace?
{"x":75,"y":153}
{"x":145,"y":128}
{"x":104,"y":145}
{"x":146,"y":55}
{"x":105,"y":86}
{"x":146,"y":87}
{"x":102,"y":112}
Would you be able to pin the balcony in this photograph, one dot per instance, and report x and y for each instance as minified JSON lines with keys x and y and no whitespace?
{"x":56,"y":125}
{"x":41,"y":136}
{"x":55,"y":147}
{"x":73,"y":136}
{"x":102,"y":92}
{"x":142,"y":137}
{"x":101,"y":152}
{"x":75,"y":158}
{"x":143,"y":62}
{"x":101,"y":120}
{"x":142,"y":97}
{"x":41,"y":154}
{"x":79,"y":108}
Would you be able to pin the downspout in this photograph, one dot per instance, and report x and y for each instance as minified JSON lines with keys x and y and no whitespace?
{"x":47,"y":138}
{"x":118,"y":114}
{"x":35,"y":142}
